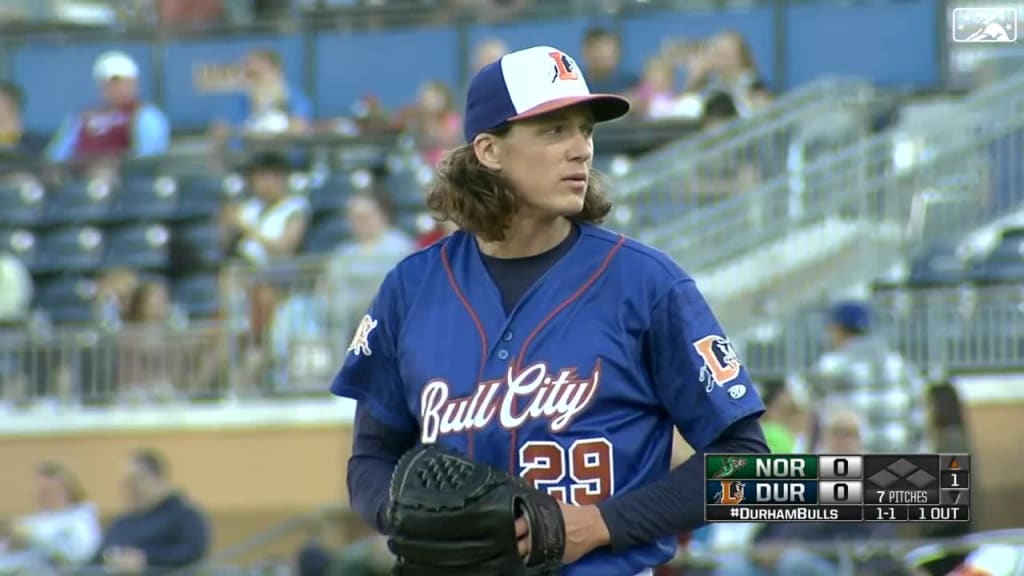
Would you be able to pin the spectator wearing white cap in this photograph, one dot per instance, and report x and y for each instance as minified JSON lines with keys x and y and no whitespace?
{"x":120,"y":126}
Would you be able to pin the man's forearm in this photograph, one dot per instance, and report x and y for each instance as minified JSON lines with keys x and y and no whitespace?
{"x":675,"y":503}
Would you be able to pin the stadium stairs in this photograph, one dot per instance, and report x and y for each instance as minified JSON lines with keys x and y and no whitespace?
{"x":847,"y":210}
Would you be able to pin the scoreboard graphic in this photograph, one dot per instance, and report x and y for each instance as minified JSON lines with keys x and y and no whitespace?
{"x":837,"y":488}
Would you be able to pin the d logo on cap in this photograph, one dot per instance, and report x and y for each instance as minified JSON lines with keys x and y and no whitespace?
{"x":565,"y":69}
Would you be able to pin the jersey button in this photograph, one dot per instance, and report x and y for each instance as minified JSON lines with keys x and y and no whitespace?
{"x":502,"y":354}
{"x":507,"y":336}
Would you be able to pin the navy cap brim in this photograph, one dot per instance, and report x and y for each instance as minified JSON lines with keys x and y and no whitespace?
{"x":605,"y":107}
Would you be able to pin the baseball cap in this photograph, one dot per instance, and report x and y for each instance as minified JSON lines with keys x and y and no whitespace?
{"x":855,"y":316}
{"x":112,"y":65}
{"x":528,"y":83}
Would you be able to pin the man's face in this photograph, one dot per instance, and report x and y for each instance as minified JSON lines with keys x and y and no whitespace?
{"x":267,"y":185}
{"x":365,"y":218}
{"x":547,"y":161}
{"x":9,"y":113}
{"x":135,"y":484}
{"x":50,"y":492}
{"x":259,"y":71}
{"x":601,"y":56}
{"x":120,"y":91}
{"x":842,"y":436}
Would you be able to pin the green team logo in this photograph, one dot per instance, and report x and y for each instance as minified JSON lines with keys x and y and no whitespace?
{"x":730,"y":464}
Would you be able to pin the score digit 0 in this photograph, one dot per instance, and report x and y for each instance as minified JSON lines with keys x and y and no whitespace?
{"x":840,"y":467}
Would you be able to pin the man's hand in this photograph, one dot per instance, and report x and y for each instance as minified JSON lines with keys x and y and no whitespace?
{"x":131,"y":560}
{"x":585,"y":530}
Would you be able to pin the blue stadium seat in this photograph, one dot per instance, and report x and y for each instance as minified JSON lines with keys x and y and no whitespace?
{"x":21,"y":203}
{"x":69,"y":248}
{"x":80,"y":201}
{"x":145,"y":198}
{"x":197,"y":294}
{"x":408,"y":187}
{"x":202,"y":239}
{"x":67,"y":299}
{"x":139,"y":246}
{"x":1005,"y":263}
{"x":199,"y":195}
{"x":939,"y":265}
{"x":327,"y":233}
{"x":333,"y":191}
{"x":21,"y":243}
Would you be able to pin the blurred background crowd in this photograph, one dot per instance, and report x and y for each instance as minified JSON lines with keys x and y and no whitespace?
{"x":198,"y":198}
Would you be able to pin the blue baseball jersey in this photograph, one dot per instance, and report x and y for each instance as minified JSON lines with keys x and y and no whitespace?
{"x":577,"y":389}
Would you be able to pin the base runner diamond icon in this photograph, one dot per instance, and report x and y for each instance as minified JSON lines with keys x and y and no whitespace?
{"x":992,"y":24}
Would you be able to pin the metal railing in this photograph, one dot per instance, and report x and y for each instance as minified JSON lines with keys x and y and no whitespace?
{"x":941,"y":331}
{"x":663,"y":192}
{"x":876,"y":181}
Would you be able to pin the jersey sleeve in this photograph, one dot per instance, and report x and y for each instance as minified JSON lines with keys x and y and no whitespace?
{"x":370,"y":373}
{"x":697,"y":374}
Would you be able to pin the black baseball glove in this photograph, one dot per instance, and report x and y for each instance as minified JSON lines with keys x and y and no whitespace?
{"x":452,"y":517}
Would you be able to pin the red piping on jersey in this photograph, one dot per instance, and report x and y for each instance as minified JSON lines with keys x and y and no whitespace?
{"x":526,"y":343}
{"x":484,"y":348}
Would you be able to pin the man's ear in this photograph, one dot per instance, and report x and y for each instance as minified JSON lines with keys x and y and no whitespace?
{"x":488,"y":151}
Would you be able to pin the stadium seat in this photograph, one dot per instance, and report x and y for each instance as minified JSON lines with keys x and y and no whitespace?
{"x":939,"y":265}
{"x":19,"y":242}
{"x":69,"y":248}
{"x":21,"y":203}
{"x":1005,"y":263}
{"x":138,"y":246}
{"x":199,"y":195}
{"x":80,"y":201}
{"x":67,"y":299}
{"x":198,"y":295}
{"x":327,"y":233}
{"x":201,"y":239}
{"x":144,"y":198}
{"x":332,"y":191}
{"x":408,"y":187}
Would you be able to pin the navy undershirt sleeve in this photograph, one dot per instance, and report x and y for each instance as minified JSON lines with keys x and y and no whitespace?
{"x":376,"y":448}
{"x":675,"y":503}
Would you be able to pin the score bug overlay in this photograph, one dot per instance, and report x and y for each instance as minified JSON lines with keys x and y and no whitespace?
{"x":837,"y":487}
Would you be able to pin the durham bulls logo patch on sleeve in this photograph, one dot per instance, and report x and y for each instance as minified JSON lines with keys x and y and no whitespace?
{"x":721,"y":364}
{"x":360,"y":345}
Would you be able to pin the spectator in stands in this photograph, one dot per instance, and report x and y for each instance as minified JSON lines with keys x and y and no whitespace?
{"x":121,"y":126}
{"x":602,"y":54}
{"x":14,"y":143}
{"x":948,"y":431}
{"x":160,"y":529}
{"x":486,"y":52}
{"x":433,"y":122}
{"x":356,"y":269}
{"x":783,"y":420}
{"x":862,"y":372}
{"x":727,"y":65}
{"x":114,"y":291}
{"x":270,"y":225}
{"x":63,"y":533}
{"x":148,"y":362}
{"x":270,"y":105}
{"x":655,"y":96}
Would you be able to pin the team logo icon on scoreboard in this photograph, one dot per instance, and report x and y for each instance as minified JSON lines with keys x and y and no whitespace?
{"x":979,"y":24}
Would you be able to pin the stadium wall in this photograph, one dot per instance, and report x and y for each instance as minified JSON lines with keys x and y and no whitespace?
{"x":251,"y":472}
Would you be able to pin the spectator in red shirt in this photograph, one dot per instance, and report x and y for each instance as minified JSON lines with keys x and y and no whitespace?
{"x":121,"y":125}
